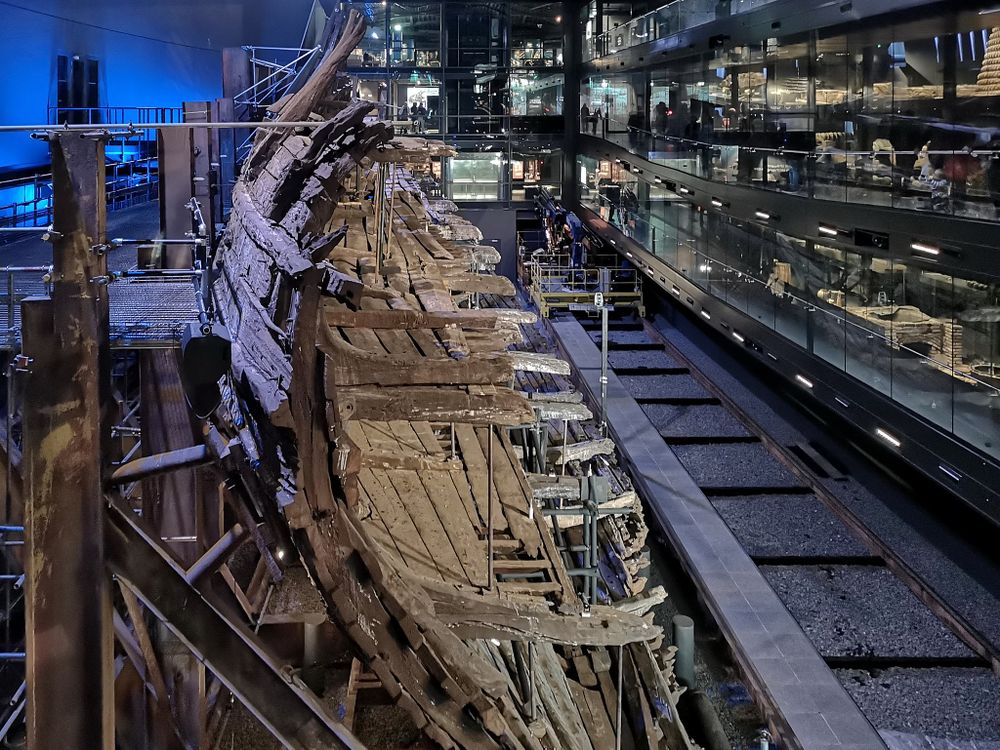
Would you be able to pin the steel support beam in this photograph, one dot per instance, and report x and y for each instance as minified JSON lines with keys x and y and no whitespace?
{"x":175,"y":151}
{"x":233,"y":653}
{"x":69,"y":674}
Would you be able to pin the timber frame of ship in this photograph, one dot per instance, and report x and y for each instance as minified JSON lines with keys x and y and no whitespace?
{"x":392,"y":491}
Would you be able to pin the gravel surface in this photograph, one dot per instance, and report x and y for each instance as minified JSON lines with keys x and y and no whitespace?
{"x":634,"y":359}
{"x":787,"y":525}
{"x":622,"y":337}
{"x":932,"y":552}
{"x":860,"y":610}
{"x":958,"y":704}
{"x":694,"y":421}
{"x":733,"y":465}
{"x":956,"y":571}
{"x":663,"y":386}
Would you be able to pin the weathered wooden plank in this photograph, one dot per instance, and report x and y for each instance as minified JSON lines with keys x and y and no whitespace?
{"x":513,"y":499}
{"x":451,"y":511}
{"x":534,"y":362}
{"x":349,"y":365}
{"x":480,"y":284}
{"x":564,"y":397}
{"x":475,"y":466}
{"x":629,"y":500}
{"x":364,"y":339}
{"x":399,"y":524}
{"x":425,"y":518}
{"x":471,"y":320}
{"x":503,"y":407}
{"x":582,"y":451}
{"x":267,"y":236}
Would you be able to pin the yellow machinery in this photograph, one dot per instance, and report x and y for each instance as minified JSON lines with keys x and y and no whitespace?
{"x":555,"y":284}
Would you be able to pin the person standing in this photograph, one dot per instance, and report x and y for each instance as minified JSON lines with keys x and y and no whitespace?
{"x":421,"y":118}
{"x":413,"y":117}
{"x":661,"y":117}
{"x":584,"y":117}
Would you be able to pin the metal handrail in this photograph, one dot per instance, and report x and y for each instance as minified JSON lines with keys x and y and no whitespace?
{"x":684,"y":14}
{"x":251,"y":96}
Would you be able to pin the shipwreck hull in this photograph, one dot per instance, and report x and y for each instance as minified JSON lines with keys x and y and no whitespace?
{"x":372,"y":406}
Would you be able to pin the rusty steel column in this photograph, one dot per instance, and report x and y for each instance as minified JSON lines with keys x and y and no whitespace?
{"x":171,"y":501}
{"x":175,"y":152}
{"x":70,"y":698}
{"x":205,"y":150}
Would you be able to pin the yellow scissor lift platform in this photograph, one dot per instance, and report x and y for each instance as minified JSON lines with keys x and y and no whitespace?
{"x":555,"y":284}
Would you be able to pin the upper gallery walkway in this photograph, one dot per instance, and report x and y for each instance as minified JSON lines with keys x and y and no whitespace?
{"x":888,"y":178}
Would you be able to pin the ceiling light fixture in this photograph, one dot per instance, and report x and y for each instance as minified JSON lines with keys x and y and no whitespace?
{"x":950,"y":472}
{"x":923,"y":247}
{"x":893,"y":441}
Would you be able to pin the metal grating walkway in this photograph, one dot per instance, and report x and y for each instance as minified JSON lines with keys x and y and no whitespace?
{"x":145,"y":314}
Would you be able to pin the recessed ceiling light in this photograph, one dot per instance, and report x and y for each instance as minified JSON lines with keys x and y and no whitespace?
{"x":950,"y":472}
{"x":805,"y":381}
{"x":829,"y":231}
{"x":892,"y":440}
{"x":923,"y":247}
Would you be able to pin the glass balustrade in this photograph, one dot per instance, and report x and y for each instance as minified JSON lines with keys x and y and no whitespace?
{"x":928,"y":340}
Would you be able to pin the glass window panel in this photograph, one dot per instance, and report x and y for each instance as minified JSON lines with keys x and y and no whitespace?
{"x":415,"y":34}
{"x":371,"y":51}
{"x":533,"y":94}
{"x":536,"y":35}
{"x":476,"y":34}
{"x":475,"y":176}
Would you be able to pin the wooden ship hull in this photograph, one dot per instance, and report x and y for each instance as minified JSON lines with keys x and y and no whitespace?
{"x":374,"y":408}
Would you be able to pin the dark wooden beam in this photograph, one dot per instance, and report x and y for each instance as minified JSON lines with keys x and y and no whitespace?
{"x":69,"y":669}
{"x":233,"y":653}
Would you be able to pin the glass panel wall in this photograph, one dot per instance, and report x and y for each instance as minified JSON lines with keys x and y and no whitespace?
{"x":476,"y":35}
{"x":668,"y":19}
{"x":536,"y":35}
{"x":474,"y":177}
{"x":477,"y":105}
{"x":533,"y":93}
{"x":927,"y":340}
{"x":415,"y":34}
{"x":371,"y":52}
{"x":530,"y":171}
{"x":885,"y":115}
